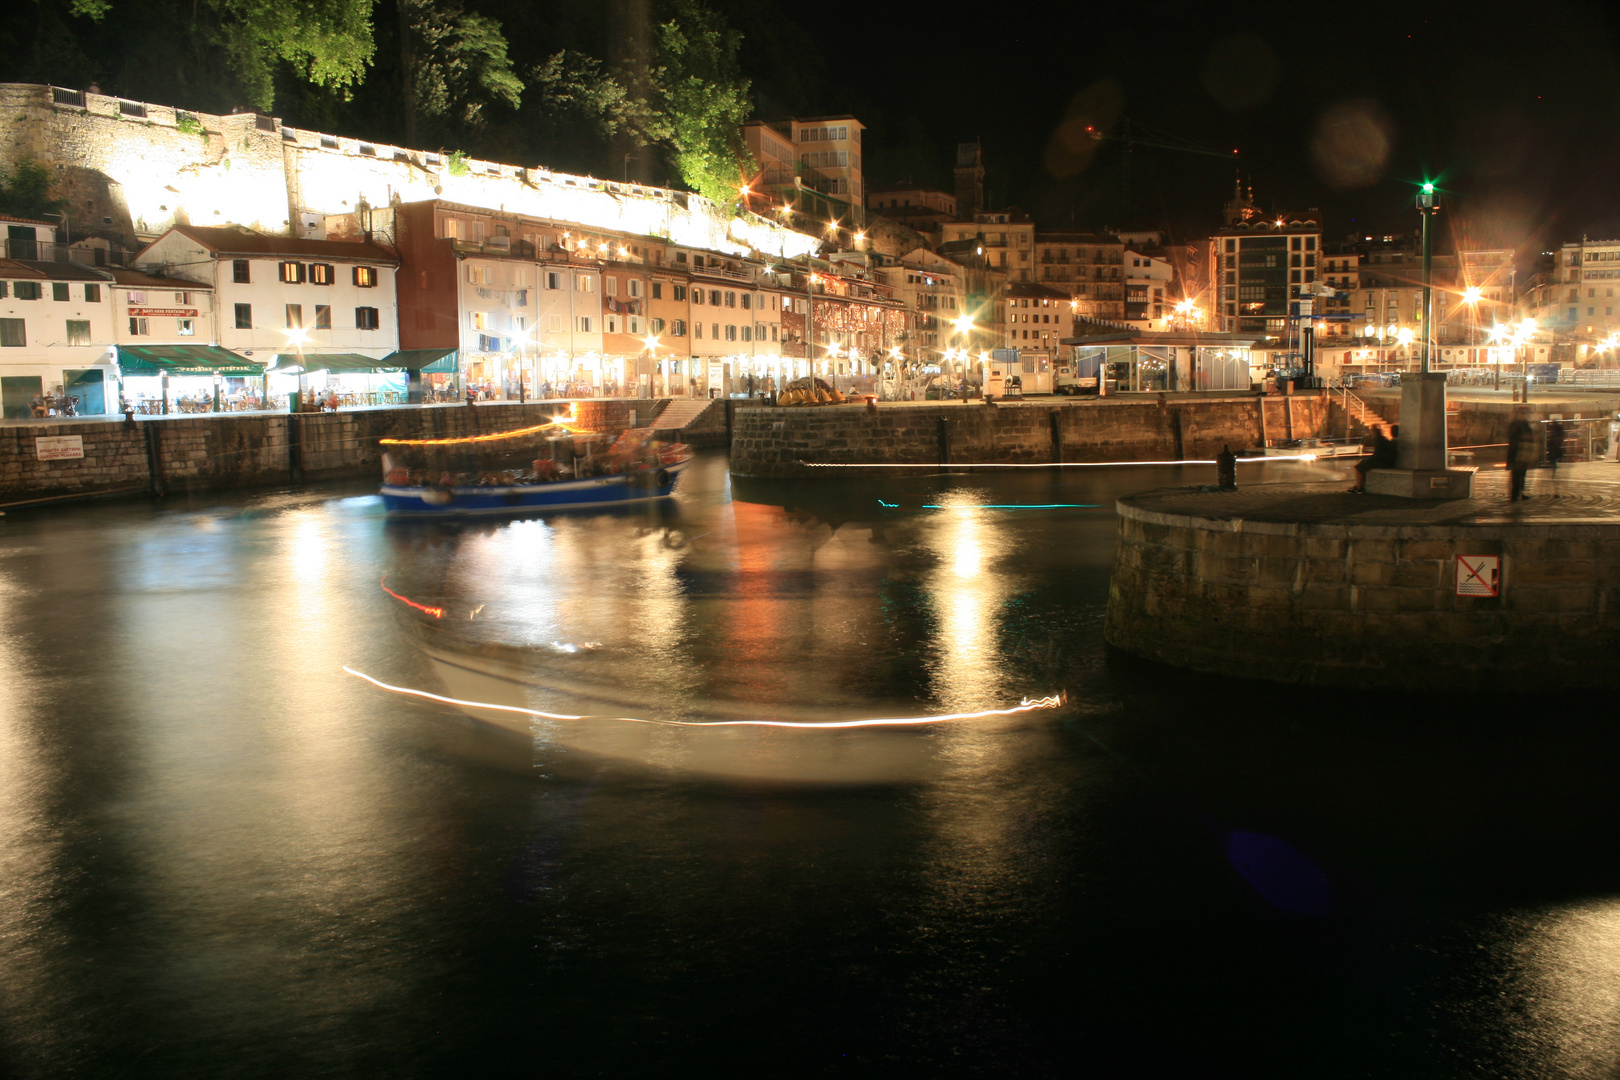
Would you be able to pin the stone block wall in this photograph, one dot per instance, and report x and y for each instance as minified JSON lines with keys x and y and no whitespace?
{"x":1367,"y":605}
{"x":212,"y":452}
{"x":772,"y":442}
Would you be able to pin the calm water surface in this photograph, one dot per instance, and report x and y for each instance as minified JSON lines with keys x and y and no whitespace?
{"x":222,"y":855}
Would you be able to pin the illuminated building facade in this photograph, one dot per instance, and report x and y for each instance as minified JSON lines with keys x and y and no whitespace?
{"x":1090,"y":267}
{"x":286,"y":296}
{"x":813,"y":164}
{"x":56,"y":324}
{"x":1260,"y":266}
{"x":1148,"y":280}
{"x":930,"y":287}
{"x":1008,"y":239}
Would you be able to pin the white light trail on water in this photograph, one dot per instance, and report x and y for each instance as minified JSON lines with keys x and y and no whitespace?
{"x":1050,"y":701}
{"x":1049,"y":464}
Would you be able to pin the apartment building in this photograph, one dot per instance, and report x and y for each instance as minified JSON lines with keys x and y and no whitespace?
{"x":1148,"y":288}
{"x":1260,"y":266}
{"x":1090,"y":267}
{"x":812,"y":164}
{"x":55,"y":325}
{"x":1007,"y":237}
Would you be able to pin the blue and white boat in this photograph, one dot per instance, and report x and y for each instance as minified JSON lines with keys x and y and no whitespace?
{"x":487,"y":475}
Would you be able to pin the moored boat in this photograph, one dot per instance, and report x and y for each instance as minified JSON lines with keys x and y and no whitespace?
{"x":507,"y":472}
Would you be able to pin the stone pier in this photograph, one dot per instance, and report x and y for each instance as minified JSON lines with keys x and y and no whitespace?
{"x":1311,"y":584}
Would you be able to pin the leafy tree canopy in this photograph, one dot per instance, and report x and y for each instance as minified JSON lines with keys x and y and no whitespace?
{"x":24,"y":192}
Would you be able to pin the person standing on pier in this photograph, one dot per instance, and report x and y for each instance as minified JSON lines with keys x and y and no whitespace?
{"x":1521,"y":454}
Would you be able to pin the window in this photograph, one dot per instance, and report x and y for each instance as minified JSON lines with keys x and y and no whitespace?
{"x":554,"y":324}
{"x":477,"y":275}
{"x":612,"y":324}
{"x":78,"y":331}
{"x":292,"y":273}
{"x":321,"y":274}
{"x":553,"y":280}
{"x":610,"y":286}
{"x":680,"y":292}
{"x":137,"y":297}
{"x":584,"y":283}
{"x":59,"y":290}
{"x":773,"y":331}
{"x":658,"y":290}
{"x":184,"y":327}
{"x":747,"y":333}
{"x":13,"y":333}
{"x":452,"y":228}
{"x":697,"y":296}
{"x":244,"y":316}
{"x":183,"y":299}
{"x":92,"y":294}
{"x":635,"y":324}
{"x":137,"y":326}
{"x":635,"y":286}
{"x":747,"y":300}
{"x":714,"y":297}
{"x":584,"y":326}
{"x":697,"y":330}
{"x":239,"y":271}
{"x":480,"y":319}
{"x":295,"y":316}
{"x":365,"y":277}
{"x":365,"y":318}
{"x":27,"y":290}
{"x":323,"y":316}
{"x":678,"y":328}
{"x":714,"y":331}
{"x":731,"y":299}
{"x":657,"y":325}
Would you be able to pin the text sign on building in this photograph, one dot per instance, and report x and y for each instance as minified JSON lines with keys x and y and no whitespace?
{"x":1479,"y":575}
{"x":177,"y":312}
{"x":58,"y":447}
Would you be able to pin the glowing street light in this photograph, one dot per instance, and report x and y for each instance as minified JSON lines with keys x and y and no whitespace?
{"x":963,"y":324}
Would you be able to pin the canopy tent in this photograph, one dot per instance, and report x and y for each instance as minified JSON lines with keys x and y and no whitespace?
{"x":427,"y":361}
{"x":138,"y":360}
{"x":335,"y":363}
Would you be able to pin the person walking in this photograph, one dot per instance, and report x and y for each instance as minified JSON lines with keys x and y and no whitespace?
{"x":1555,"y":452}
{"x":1521,"y":453}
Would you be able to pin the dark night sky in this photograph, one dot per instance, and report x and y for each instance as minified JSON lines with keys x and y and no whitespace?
{"x":1338,"y":106}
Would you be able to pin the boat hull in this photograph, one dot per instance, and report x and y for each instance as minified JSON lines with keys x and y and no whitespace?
{"x":595,"y":491}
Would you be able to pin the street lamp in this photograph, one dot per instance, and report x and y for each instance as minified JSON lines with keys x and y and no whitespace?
{"x":1428,"y":206}
{"x":1471,"y":297}
{"x":964,"y":329}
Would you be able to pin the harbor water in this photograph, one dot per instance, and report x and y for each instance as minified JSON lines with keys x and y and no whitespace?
{"x":288,"y":789}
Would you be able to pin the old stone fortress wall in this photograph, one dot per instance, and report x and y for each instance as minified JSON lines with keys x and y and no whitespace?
{"x":134,"y":169}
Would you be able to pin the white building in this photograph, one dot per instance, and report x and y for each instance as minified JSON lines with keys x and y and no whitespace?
{"x":279,"y":295}
{"x":55,"y":325}
{"x":1147,"y":284}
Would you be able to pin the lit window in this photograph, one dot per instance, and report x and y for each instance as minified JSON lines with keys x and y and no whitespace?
{"x":365,"y":276}
{"x":292,"y":273}
{"x":184,"y":327}
{"x":321,"y":273}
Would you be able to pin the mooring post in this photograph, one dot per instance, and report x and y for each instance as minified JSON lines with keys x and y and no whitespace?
{"x":1055,"y":417}
{"x":295,"y":449}
{"x":944,"y":429}
{"x":154,"y":457}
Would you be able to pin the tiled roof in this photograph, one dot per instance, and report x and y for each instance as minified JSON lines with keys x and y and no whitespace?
{"x":152,"y":281}
{"x":50,"y":271}
{"x":26,"y":221}
{"x":234,"y":241}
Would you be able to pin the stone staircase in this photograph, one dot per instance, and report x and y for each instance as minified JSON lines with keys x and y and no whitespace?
{"x":1349,"y":414}
{"x":679,"y":413}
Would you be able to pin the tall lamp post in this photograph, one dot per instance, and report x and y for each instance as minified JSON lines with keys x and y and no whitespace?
{"x":964,"y":330}
{"x":1428,"y":206}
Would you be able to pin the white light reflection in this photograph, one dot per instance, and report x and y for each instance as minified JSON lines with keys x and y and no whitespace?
{"x":966,"y":595}
{"x":1564,"y":1017}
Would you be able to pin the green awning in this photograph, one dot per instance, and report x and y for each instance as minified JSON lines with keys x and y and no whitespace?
{"x":337,"y":363}
{"x":427,"y":361}
{"x":184,"y":360}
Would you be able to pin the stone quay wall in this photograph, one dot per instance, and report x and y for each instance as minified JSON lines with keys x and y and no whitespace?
{"x":1367,"y":605}
{"x":212,"y":451}
{"x":1485,"y":423}
{"x":775,"y":442}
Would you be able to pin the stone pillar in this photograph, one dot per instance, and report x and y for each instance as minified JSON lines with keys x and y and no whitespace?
{"x":1420,"y":471}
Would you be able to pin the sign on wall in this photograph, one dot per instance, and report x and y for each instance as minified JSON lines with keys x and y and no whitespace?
{"x":58,"y":447}
{"x":1479,"y":575}
{"x":177,"y":312}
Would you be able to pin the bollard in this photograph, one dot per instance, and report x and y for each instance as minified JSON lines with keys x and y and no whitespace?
{"x":1226,"y":469}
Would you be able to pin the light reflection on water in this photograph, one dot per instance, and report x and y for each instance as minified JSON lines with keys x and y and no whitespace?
{"x":220,"y":855}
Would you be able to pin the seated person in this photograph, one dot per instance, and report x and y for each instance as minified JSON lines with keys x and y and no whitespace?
{"x":1385,"y":455}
